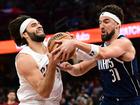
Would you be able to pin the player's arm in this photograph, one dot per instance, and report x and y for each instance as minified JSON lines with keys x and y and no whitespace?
{"x":120,"y":48}
{"x":28,"y":68}
{"x":79,"y":68}
{"x":117,"y":48}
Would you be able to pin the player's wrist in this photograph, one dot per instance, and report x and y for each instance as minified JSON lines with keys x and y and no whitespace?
{"x":76,"y":43}
{"x":94,"y":50}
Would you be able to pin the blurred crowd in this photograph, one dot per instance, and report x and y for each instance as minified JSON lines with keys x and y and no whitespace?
{"x":8,"y":97}
{"x":63,"y":15}
{"x":84,"y":90}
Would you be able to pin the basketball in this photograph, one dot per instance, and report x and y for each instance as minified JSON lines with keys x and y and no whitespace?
{"x":59,"y":36}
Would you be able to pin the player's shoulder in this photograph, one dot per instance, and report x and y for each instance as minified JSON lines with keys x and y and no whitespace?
{"x":25,"y":63}
{"x":122,"y":41}
{"x":24,"y":59}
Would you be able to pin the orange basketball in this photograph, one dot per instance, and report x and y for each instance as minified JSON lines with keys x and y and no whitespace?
{"x":59,"y":36}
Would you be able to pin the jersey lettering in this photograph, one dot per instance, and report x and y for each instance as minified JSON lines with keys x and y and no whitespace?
{"x":115,"y":75}
{"x":43,"y":71}
{"x":107,"y":64}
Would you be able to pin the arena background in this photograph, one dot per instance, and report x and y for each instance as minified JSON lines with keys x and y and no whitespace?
{"x":56,"y":16}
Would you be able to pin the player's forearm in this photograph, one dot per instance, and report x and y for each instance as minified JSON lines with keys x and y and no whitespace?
{"x":46,"y":85}
{"x":83,"y":67}
{"x":83,"y":46}
{"x":75,"y":71}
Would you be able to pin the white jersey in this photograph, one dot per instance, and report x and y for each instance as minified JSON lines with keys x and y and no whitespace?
{"x":81,"y":55}
{"x":27,"y":95}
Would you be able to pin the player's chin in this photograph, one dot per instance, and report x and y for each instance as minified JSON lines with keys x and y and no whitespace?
{"x":103,"y":34}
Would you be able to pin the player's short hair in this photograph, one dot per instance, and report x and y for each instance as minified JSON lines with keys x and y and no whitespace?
{"x":114,"y":9}
{"x":14,"y":29}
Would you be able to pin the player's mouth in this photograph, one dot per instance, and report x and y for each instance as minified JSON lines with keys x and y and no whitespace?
{"x":103,"y":32}
{"x":39,"y":31}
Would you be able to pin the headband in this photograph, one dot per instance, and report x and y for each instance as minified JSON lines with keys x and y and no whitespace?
{"x":114,"y":17}
{"x":24,"y":25}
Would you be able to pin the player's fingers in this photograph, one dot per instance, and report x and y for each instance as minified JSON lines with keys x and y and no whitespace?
{"x":58,"y":42}
{"x":63,"y":57}
{"x":68,"y":65}
{"x":70,"y":34}
{"x":65,"y":65}
{"x":67,"y":56}
{"x":56,"y":50}
{"x":58,"y":55}
{"x":62,"y":65}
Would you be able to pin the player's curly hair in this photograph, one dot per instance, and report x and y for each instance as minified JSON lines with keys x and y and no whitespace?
{"x":14,"y":27}
{"x":112,"y":8}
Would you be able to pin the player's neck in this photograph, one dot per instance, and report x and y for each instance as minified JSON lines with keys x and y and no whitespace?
{"x":114,"y":37}
{"x":38,"y":47}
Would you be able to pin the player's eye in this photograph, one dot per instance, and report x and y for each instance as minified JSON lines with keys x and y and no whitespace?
{"x":33,"y":24}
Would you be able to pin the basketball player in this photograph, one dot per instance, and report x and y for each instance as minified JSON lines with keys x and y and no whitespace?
{"x":39,"y":76}
{"x":115,"y":59}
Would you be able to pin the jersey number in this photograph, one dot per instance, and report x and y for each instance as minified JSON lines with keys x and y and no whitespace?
{"x":115,"y":75}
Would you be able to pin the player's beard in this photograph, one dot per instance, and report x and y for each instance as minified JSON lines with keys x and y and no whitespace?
{"x":37,"y":38}
{"x":107,"y":36}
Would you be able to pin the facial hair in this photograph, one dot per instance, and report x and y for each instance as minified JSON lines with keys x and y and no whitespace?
{"x":108,"y":36}
{"x":37,"y":38}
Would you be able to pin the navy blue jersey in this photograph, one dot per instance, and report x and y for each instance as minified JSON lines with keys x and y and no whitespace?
{"x":119,"y":78}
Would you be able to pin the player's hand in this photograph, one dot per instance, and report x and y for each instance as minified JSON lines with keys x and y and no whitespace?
{"x":65,"y":66}
{"x":66,"y":48}
{"x":54,"y":58}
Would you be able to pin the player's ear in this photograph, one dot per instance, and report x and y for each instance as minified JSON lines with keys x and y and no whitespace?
{"x":118,"y":26}
{"x":25,"y":35}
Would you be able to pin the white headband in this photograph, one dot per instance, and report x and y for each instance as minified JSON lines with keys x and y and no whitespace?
{"x":114,"y":17}
{"x":24,"y":25}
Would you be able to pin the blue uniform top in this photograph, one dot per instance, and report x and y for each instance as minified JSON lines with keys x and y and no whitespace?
{"x":119,"y":78}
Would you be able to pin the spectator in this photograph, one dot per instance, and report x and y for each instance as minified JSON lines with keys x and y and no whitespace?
{"x":11,"y":98}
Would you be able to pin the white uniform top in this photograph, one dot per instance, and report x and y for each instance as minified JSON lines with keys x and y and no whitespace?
{"x":27,"y":95}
